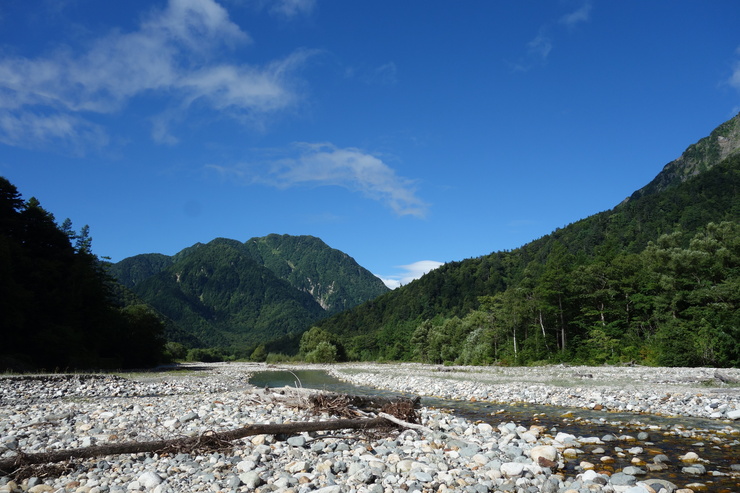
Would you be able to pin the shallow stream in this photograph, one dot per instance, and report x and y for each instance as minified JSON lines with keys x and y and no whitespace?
{"x":716,"y":442}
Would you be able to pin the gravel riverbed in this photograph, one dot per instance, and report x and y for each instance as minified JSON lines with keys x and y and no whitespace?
{"x":54,"y":412}
{"x":694,"y":392}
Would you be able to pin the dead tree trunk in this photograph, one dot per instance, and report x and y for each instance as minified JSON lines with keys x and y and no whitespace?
{"x":207,"y":440}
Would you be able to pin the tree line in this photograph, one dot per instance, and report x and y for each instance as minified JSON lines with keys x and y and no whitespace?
{"x":58,"y":308}
{"x":609,"y":287}
{"x":669,"y":305}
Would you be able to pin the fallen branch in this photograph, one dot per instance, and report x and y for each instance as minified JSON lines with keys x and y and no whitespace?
{"x":206,"y":440}
{"x":347,"y":405}
{"x":405,"y":424}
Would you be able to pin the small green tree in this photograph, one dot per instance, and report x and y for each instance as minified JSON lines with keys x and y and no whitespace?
{"x":259,"y":353}
{"x":325,"y":352}
{"x":312,"y":338}
{"x":174,"y":351}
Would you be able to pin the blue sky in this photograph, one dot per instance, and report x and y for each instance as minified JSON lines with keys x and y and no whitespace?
{"x":405,"y":134}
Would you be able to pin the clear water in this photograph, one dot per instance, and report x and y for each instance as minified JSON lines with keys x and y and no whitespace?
{"x":715,"y":447}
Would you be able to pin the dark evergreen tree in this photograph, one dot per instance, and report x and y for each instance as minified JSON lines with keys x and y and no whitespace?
{"x":56,"y":304}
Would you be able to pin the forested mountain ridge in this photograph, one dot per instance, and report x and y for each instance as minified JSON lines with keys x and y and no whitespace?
{"x":218,"y":293}
{"x":132,"y":270}
{"x":707,"y":152}
{"x":231,"y":294}
{"x":606,"y":288}
{"x":332,"y":277}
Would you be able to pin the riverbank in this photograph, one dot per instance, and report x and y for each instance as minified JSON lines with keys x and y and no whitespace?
{"x":58,"y":412}
{"x":694,"y":392}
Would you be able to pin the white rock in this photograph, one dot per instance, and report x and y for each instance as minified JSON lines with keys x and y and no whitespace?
{"x":132,"y":486}
{"x":564,"y":437}
{"x":637,"y":489}
{"x":545,"y":451}
{"x":330,"y":489}
{"x":297,"y":466}
{"x":588,"y":475}
{"x":733,"y":414}
{"x":245,"y":466}
{"x":689,"y":457}
{"x":528,"y":437}
{"x":512,"y":469}
{"x":591,"y":440}
{"x":409,"y":465}
{"x":485,"y":429}
{"x":480,"y":459}
{"x":150,"y":479}
{"x":250,"y":479}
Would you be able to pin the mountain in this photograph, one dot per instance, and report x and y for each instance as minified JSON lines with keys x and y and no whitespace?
{"x":614,"y":284}
{"x":227,"y":294}
{"x":723,"y":142}
{"x":332,"y":277}
{"x":132,"y":270}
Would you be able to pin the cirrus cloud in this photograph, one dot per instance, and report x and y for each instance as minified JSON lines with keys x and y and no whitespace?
{"x":581,"y":14}
{"x":176,"y":54}
{"x":324,"y":164}
{"x":734,"y":79}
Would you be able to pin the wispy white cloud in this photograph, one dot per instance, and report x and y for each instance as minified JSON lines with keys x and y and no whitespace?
{"x":409,"y":273}
{"x":324,"y":164}
{"x":582,"y":14}
{"x":28,"y":129}
{"x":176,"y":53}
{"x":385,"y":75}
{"x":734,"y":79}
{"x":292,"y":8}
{"x":540,"y":47}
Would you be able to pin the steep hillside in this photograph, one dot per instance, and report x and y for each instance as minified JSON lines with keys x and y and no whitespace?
{"x":536,"y":277}
{"x":223,"y":297}
{"x":332,"y":277}
{"x":133,"y":270}
{"x":226,"y":293}
{"x":723,"y":142}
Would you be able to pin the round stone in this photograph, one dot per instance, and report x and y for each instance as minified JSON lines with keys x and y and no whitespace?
{"x":512,"y":469}
{"x":545,"y":451}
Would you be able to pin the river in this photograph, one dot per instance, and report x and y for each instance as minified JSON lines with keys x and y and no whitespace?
{"x":713,"y":440}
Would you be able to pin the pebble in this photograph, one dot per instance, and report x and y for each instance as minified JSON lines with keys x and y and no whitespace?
{"x":669,"y":392}
{"x":56,"y":412}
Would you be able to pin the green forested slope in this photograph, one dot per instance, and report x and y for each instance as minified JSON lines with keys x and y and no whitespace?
{"x":332,"y":277}
{"x":231,"y":294}
{"x":723,"y":142}
{"x":538,"y":302}
{"x":131,"y":271}
{"x":223,"y":297}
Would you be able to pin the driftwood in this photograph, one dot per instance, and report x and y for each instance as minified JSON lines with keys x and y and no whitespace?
{"x":206,"y":440}
{"x":346,"y":405}
{"x":405,"y":424}
{"x":366,"y":403}
{"x":395,"y":412}
{"x":307,"y":398}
